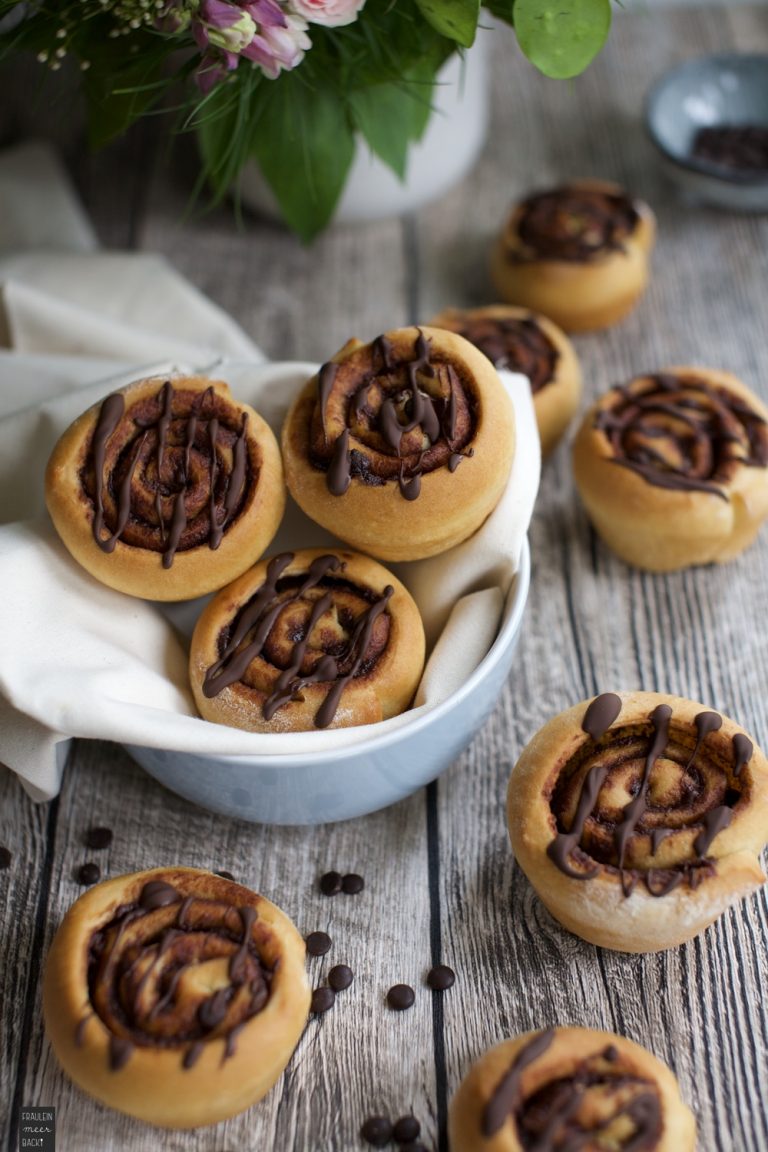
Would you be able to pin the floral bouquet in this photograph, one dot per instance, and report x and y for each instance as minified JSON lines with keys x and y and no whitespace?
{"x":290,"y":84}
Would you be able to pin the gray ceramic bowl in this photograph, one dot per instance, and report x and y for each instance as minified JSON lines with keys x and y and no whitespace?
{"x":324,"y":787}
{"x":711,"y":91}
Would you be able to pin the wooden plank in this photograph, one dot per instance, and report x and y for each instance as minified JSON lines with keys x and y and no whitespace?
{"x":593,"y":624}
{"x":24,"y":831}
{"x":360,"y":1058}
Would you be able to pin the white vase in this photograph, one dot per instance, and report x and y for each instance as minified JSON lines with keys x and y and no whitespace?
{"x":446,"y":152}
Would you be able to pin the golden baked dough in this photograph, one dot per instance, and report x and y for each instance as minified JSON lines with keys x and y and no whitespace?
{"x":401,"y":447}
{"x":570,"y":1088}
{"x":167,"y":489}
{"x":312,"y":639}
{"x":579,"y":254}
{"x":673,"y":468}
{"x":639,"y":818}
{"x":175,"y":995}
{"x":524,"y":341}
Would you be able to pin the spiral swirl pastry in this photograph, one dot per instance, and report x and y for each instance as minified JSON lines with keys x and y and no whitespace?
{"x":167,"y":489}
{"x":403,"y":446}
{"x":578,"y":254}
{"x":673,"y":468}
{"x":521,"y":341}
{"x":565,"y":1089}
{"x":175,"y":995}
{"x":639,"y":818}
{"x":308,"y":640}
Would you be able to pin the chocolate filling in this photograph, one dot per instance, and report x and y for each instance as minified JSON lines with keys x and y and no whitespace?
{"x":169,"y":473}
{"x":141,"y":982}
{"x":628,"y":790}
{"x":380,"y":418}
{"x":681,"y":432}
{"x":574,"y":224}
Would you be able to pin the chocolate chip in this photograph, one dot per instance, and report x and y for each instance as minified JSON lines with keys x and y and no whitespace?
{"x":318,"y":943}
{"x":98,"y":838}
{"x":340,"y":977}
{"x":352,"y":884}
{"x":88,"y":874}
{"x":441,"y":977}
{"x":330,"y":883}
{"x":400,"y":997}
{"x":377,"y":1130}
{"x":5,"y":858}
{"x":225,"y":875}
{"x":406,"y":1129}
{"x":322,"y":1000}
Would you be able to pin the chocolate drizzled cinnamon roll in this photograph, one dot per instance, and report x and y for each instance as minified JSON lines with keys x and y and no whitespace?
{"x":570,"y":1088}
{"x":167,"y":488}
{"x":638,"y":818}
{"x":403,"y":446}
{"x":175,"y":995}
{"x":578,"y":254}
{"x":308,"y":640}
{"x":673,"y":467}
{"x":518,"y":340}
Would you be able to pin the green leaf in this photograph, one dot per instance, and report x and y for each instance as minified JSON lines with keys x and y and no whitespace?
{"x":304,"y":146}
{"x":391,"y":116}
{"x":561,"y":37}
{"x":456,"y":19}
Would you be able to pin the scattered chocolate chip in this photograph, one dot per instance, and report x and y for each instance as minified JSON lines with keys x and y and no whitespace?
{"x":322,"y":1000}
{"x":400,"y":997}
{"x":352,"y":884}
{"x":441,"y":977}
{"x":5,"y":858}
{"x":340,"y":977}
{"x":318,"y":943}
{"x":225,"y":875}
{"x":406,"y":1130}
{"x":377,"y":1130}
{"x":98,"y":838}
{"x":88,"y":874}
{"x":330,"y":883}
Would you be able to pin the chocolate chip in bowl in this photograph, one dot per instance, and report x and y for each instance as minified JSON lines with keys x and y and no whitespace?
{"x":708,"y":117}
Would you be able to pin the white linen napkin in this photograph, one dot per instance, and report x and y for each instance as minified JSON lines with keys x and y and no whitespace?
{"x":78,"y":659}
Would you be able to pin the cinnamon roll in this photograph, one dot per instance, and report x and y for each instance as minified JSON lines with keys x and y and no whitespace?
{"x":308,"y":640}
{"x":569,"y":1088}
{"x":579,"y":254}
{"x":673,"y":468}
{"x":167,"y":489}
{"x":175,"y":995}
{"x":522,"y":341}
{"x":639,"y":818}
{"x":401,"y":447}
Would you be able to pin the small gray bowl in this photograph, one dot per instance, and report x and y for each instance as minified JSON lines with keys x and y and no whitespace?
{"x":725,"y":89}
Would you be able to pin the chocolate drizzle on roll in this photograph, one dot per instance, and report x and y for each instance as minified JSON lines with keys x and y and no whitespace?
{"x":554,"y":1116}
{"x":168,"y":473}
{"x":143,"y":974}
{"x":678,"y":431}
{"x":518,"y":344}
{"x":680,"y":795}
{"x":253,"y":633}
{"x":574,"y":224}
{"x":380,"y":417}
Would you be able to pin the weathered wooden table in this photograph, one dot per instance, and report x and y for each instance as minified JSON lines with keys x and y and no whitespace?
{"x":441,"y":881}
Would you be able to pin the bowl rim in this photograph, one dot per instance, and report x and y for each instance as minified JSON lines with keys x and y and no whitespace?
{"x":511,"y":623}
{"x":700,"y":167}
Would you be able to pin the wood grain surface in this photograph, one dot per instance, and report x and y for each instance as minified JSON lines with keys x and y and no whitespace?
{"x":441,"y":882}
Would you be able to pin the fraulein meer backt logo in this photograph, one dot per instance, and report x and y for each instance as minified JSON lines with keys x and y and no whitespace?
{"x":37,"y":1130}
